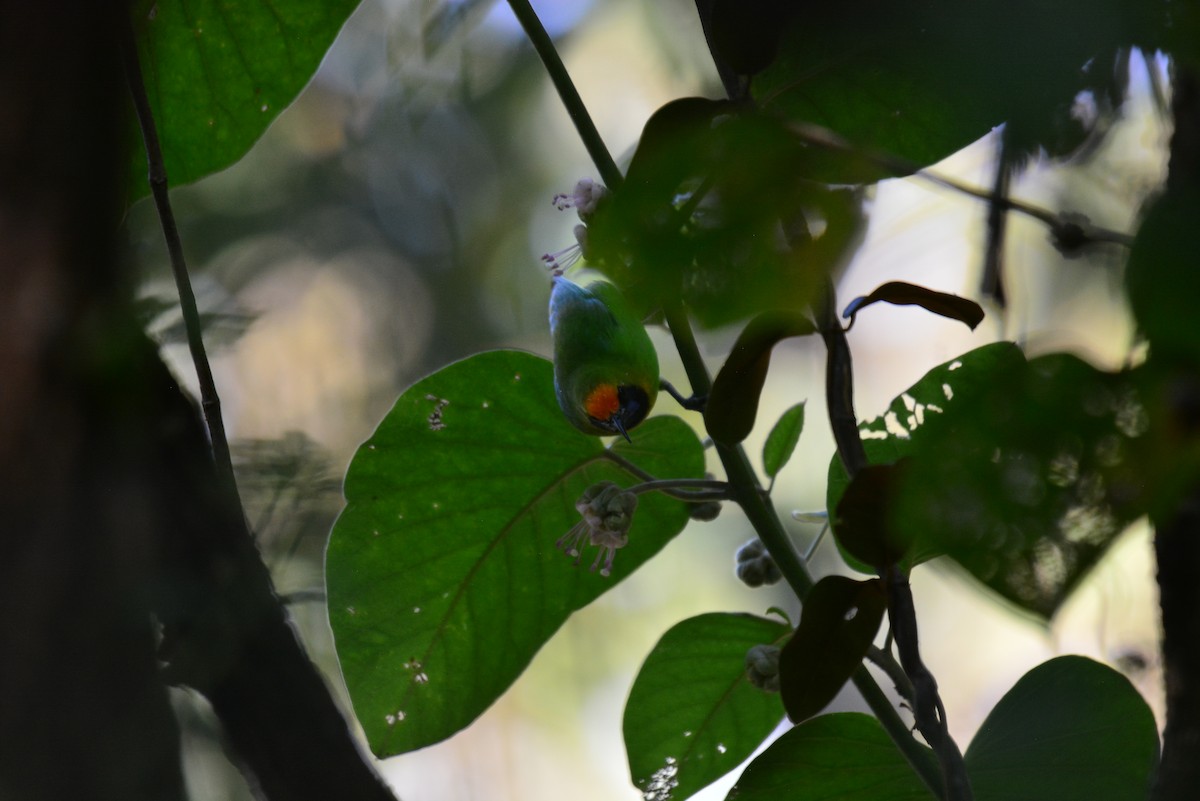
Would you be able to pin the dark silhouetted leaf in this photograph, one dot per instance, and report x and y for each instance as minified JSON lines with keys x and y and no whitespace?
{"x":733,"y":403}
{"x":864,"y":519}
{"x":910,"y":418}
{"x":745,"y":33}
{"x":442,"y":572}
{"x":839,"y":621}
{"x":692,"y":714}
{"x":899,"y":293}
{"x":1161,"y":276}
{"x":781,"y":442}
{"x":1070,"y":728}
{"x":845,"y":756}
{"x":217,"y":74}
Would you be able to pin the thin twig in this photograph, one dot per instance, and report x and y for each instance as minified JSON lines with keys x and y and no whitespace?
{"x":210,"y":402}
{"x":1069,"y":230}
{"x":609,"y":173}
{"x":692,"y":490}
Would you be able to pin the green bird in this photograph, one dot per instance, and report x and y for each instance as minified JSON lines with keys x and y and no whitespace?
{"x":605,"y":367}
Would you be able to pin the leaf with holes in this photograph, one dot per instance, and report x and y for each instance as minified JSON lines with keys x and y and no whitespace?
{"x":442,"y":572}
{"x":838,"y":622}
{"x":217,"y":74}
{"x":692,"y":715}
{"x":845,"y":756}
{"x":912,"y":416}
{"x":1027,"y":483}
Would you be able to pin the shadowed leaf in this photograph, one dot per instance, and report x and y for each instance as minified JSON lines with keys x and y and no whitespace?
{"x":899,"y":293}
{"x":839,"y":621}
{"x":863,"y":518}
{"x":1070,"y":728}
{"x":733,"y":403}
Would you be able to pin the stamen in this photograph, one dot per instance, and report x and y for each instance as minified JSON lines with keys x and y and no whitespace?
{"x":560,"y":260}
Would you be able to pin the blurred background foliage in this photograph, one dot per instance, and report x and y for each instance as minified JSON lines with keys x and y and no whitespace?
{"x":391,"y":221}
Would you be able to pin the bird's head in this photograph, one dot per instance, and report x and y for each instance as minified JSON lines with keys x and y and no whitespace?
{"x":616,"y":409}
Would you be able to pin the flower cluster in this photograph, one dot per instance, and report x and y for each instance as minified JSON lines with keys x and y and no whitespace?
{"x":607,"y":512}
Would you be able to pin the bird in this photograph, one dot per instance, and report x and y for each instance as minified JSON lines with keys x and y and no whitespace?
{"x":605,"y":366}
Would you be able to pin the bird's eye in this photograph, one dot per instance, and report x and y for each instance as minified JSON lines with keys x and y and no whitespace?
{"x":634,"y":405}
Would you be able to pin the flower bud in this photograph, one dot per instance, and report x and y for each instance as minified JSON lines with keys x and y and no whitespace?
{"x":762,"y":667}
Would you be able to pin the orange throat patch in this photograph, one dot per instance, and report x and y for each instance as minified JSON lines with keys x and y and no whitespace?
{"x":602,"y":402}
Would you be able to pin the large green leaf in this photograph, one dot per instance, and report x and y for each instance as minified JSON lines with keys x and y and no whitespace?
{"x":915,"y":414}
{"x":845,"y":756}
{"x":1070,"y":728}
{"x":443,"y":576}
{"x":218,"y":72}
{"x":692,"y":714}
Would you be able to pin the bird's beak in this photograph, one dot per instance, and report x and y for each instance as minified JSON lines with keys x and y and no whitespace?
{"x":615,"y":420}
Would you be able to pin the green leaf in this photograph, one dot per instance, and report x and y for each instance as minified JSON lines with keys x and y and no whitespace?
{"x":692,"y":715}
{"x":733,"y":402}
{"x":838,"y":622}
{"x":781,"y":442}
{"x":899,"y":293}
{"x":1070,"y":728}
{"x":442,"y":572}
{"x":217,"y":74}
{"x":910,"y":418}
{"x":1027,"y":483}
{"x":920,"y":81}
{"x":845,"y":756}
